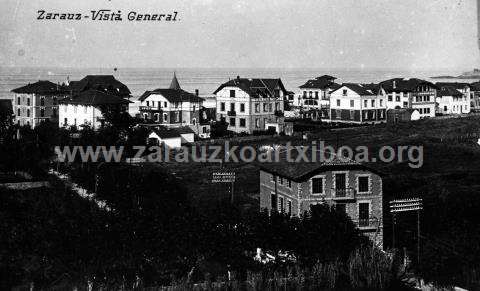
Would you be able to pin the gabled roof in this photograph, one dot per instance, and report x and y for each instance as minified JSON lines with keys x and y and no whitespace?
{"x":357,"y":88}
{"x":41,"y":87}
{"x":258,"y":87}
{"x":374,"y":88}
{"x":163,"y":132}
{"x":172,"y":95}
{"x":106,"y":83}
{"x":455,"y":85}
{"x":322,"y":82}
{"x":449,"y":91}
{"x":302,"y":171}
{"x":95,"y":98}
{"x":404,"y":85}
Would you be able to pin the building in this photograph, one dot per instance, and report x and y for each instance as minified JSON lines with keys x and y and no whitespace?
{"x":475,"y":96}
{"x":173,"y":138}
{"x":356,"y":103}
{"x":453,"y":98}
{"x":90,"y":98}
{"x":411,"y":93}
{"x":89,"y":108}
{"x":247,"y":105}
{"x":347,"y":185}
{"x":313,"y":98}
{"x":37,"y":102}
{"x":171,"y":107}
{"x":402,"y":115}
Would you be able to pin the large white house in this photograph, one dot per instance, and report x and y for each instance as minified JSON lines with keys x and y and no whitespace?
{"x":88,"y":108}
{"x":357,"y":103}
{"x":453,"y":98}
{"x":249,"y":105}
{"x":173,"y":107}
{"x":411,"y":93}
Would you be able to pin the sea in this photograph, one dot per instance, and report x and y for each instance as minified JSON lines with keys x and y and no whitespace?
{"x":206,"y":80}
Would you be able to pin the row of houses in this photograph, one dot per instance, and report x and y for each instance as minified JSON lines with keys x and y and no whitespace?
{"x":247,"y":105}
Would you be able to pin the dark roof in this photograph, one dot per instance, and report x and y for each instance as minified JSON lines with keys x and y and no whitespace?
{"x":374,"y":88}
{"x":95,"y":97}
{"x":6,"y":105}
{"x":184,"y":129}
{"x":322,"y":82}
{"x":475,"y":86}
{"x":358,"y":88}
{"x":174,"y":84}
{"x":41,"y":87}
{"x":106,"y":83}
{"x":173,"y":95}
{"x":258,"y":87}
{"x":302,"y":171}
{"x":166,"y":132}
{"x":404,"y":85}
{"x":454,"y":85}
{"x":449,"y":91}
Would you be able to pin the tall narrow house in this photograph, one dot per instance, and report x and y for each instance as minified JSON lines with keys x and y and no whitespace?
{"x":313,"y":97}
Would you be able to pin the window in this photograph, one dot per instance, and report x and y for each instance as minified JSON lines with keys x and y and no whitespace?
{"x":165,"y":104}
{"x":373,"y":103}
{"x":273,"y":202}
{"x":222,"y":106}
{"x":232,"y":121}
{"x":281,"y":206}
{"x":28,"y":112}
{"x":310,"y":94}
{"x":165,"y":117}
{"x":242,"y":107}
{"x":289,"y":184}
{"x":363,"y":214}
{"x":42,"y":112}
{"x":257,"y":107}
{"x":42,"y":101}
{"x":352,"y":103}
{"x":18,"y":100}
{"x":232,"y":93}
{"x":365,"y":103}
{"x":381,"y":102}
{"x":363,"y":184}
{"x":316,"y":94}
{"x":270,"y":107}
{"x":257,"y":122}
{"x":344,"y":92}
{"x":276,"y":93}
{"x":397,"y":98}
{"x":232,"y":107}
{"x":18,"y":112}
{"x":340,"y":184}
{"x":265,"y":107}
{"x":148,"y":103}
{"x":338,"y":102}
{"x":390,"y":98}
{"x":28,"y":101}
{"x":242,"y":122}
{"x":289,"y":207}
{"x":317,"y":185}
{"x":304,"y":93}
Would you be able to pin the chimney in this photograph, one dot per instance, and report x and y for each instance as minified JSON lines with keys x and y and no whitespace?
{"x":196,"y":92}
{"x":394,"y":84}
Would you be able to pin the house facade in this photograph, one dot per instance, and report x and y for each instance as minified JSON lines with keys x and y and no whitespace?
{"x":411,"y":93}
{"x":171,"y":107}
{"x":88,"y":108}
{"x":248,"y":105}
{"x":475,"y":96}
{"x":348,"y":186}
{"x":314,"y":97}
{"x":37,"y":102}
{"x":356,"y":103}
{"x":453,"y":98}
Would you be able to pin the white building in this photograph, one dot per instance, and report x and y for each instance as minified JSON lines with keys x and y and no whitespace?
{"x":171,"y":137}
{"x":247,"y":105}
{"x":313,"y":97}
{"x":356,"y":103}
{"x":171,"y":107}
{"x":453,"y":98}
{"x":88,"y":107}
{"x":411,"y":93}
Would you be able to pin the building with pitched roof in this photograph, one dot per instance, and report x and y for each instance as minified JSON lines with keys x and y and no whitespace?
{"x":411,"y":93}
{"x":104,"y":83}
{"x":358,"y":104}
{"x":249,"y":105}
{"x":453,"y":98}
{"x":88,"y":108}
{"x":172,"y":107}
{"x":351,"y":187}
{"x":475,"y":96}
{"x":313,"y":97}
{"x":36,"y":102}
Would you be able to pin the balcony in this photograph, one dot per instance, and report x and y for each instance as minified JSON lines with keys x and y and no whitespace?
{"x":367,"y":224}
{"x":343,"y":194}
{"x":150,"y":109}
{"x":232,"y":113}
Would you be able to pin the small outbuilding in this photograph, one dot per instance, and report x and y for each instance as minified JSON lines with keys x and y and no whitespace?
{"x":402,"y":115}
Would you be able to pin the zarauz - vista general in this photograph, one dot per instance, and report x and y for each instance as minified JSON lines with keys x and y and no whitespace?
{"x":107,"y":15}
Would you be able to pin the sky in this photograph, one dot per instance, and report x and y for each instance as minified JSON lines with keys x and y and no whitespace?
{"x":352,"y":34}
